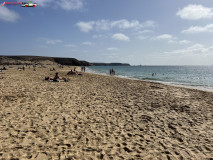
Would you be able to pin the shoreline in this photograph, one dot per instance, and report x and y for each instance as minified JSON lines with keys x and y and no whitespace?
{"x":200,"y":88}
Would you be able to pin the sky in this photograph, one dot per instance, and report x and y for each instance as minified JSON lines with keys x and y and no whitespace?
{"x":138,"y":32}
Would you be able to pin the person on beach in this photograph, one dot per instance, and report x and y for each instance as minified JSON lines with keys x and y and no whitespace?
{"x":75,"y":70}
{"x":71,"y":72}
{"x":52,"y":69}
{"x":4,"y":68}
{"x":19,"y":68}
{"x":57,"y":78}
{"x":34,"y":67}
{"x":83,"y":68}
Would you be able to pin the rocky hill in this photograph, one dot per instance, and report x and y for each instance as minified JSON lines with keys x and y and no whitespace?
{"x":20,"y":60}
{"x":29,"y":60}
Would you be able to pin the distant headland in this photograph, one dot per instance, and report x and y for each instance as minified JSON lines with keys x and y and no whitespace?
{"x":29,"y":60}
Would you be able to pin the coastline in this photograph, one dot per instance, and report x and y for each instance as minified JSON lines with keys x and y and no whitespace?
{"x":201,"y":88}
{"x":101,"y":117}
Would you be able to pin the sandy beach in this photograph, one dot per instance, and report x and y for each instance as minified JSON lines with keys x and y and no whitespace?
{"x":101,"y":117}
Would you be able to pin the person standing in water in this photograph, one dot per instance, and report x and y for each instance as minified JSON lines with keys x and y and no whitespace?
{"x":113,"y":71}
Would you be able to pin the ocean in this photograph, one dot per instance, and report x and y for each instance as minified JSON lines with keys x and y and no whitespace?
{"x":200,"y":77}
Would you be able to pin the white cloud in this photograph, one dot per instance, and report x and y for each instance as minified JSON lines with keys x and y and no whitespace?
{"x":98,"y":36}
{"x":142,"y":37}
{"x":87,"y":43}
{"x":120,"y":37}
{"x":197,"y":49}
{"x":70,"y":4}
{"x":184,"y":42}
{"x":43,"y":3}
{"x":69,"y":45}
{"x":52,"y":41}
{"x":103,"y":25}
{"x":8,"y":15}
{"x":125,"y":24}
{"x":145,"y":31}
{"x":149,"y":24}
{"x":199,"y":29}
{"x":143,"y":34}
{"x":178,"y":42}
{"x":164,"y":37}
{"x":195,"y":12}
{"x":67,"y":5}
{"x":172,"y":41}
{"x":112,"y":49}
{"x":85,"y":26}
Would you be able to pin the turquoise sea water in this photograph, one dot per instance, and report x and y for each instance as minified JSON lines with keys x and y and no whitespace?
{"x":192,"y":76}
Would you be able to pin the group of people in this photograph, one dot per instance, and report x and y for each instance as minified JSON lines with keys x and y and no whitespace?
{"x":56,"y":78}
{"x":1,"y":69}
{"x":83,"y":69}
{"x":21,"y":68}
{"x":4,"y":68}
{"x":73,"y":71}
{"x":112,"y":72}
{"x":153,"y":74}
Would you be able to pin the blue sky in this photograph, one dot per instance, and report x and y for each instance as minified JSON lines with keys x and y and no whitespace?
{"x":147,"y":32}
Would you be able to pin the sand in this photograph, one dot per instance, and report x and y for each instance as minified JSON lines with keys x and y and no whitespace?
{"x":101,"y":117}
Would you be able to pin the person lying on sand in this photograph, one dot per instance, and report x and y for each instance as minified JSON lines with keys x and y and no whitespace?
{"x":53,"y":69}
{"x":19,"y":69}
{"x":73,"y":72}
{"x":57,"y":78}
{"x":4,"y":68}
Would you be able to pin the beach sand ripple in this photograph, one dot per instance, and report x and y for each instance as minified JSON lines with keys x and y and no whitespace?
{"x":101,"y":117}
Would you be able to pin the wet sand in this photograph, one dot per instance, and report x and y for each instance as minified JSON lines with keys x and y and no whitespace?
{"x":101,"y":117}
